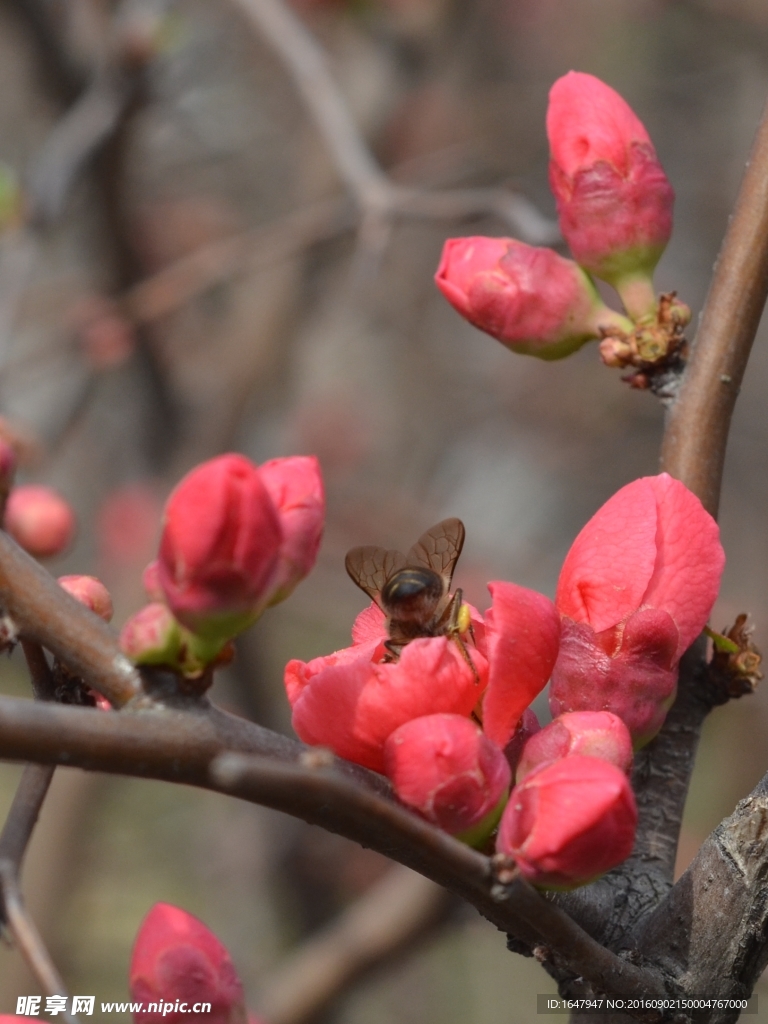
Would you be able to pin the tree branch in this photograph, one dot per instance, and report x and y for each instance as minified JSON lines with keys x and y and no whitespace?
{"x":696,"y":434}
{"x":386,"y":919}
{"x":376,"y":195}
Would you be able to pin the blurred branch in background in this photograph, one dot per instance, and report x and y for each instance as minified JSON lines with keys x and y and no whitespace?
{"x":384,"y":922}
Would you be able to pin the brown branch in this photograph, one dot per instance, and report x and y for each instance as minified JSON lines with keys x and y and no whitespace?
{"x":25,"y":810}
{"x":390,"y":916}
{"x":698,"y":422}
{"x":28,"y":939}
{"x":211,"y":264}
{"x":375,"y":193}
{"x":45,"y":613}
{"x":179,"y":746}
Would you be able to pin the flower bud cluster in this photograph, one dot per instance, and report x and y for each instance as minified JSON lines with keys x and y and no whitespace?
{"x":614,"y":206}
{"x":449,"y":722}
{"x":236,"y":538}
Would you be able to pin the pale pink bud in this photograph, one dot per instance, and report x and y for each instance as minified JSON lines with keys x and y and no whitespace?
{"x":175,"y":957}
{"x":587,"y":733}
{"x":39,"y":520}
{"x":90,"y":592}
{"x":449,"y":772}
{"x":531,"y":299}
{"x":220,"y":547}
{"x":568,"y":822}
{"x":296,"y":489}
{"x":152,"y":636}
{"x":613,"y":198}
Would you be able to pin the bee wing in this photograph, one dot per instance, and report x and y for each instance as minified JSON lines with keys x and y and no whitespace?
{"x":439,"y":548}
{"x":370,"y":568}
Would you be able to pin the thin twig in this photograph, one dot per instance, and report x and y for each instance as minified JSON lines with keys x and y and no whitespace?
{"x":387,"y":918}
{"x":698,"y":422}
{"x":43,"y":685}
{"x":25,"y":810}
{"x":28,"y":939}
{"x":373,"y":190}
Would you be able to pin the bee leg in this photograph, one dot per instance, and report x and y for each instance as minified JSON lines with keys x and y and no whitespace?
{"x":465,"y":654}
{"x":393,"y":649}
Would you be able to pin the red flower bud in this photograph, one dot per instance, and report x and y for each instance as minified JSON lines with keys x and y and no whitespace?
{"x":568,"y":822}
{"x":531,"y":299}
{"x":39,"y":520}
{"x":613,"y":198}
{"x":175,"y":957}
{"x":351,"y":702}
{"x":587,"y":733}
{"x":90,"y":592}
{"x":220,"y":547}
{"x":152,"y":636}
{"x":635,"y":591}
{"x":449,"y":772}
{"x":296,"y":489}
{"x":522,"y":636}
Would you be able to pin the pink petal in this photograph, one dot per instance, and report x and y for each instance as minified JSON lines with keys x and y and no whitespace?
{"x":689,"y":559}
{"x":607,"y":571}
{"x":522,"y":633}
{"x":370,"y":624}
{"x":353,"y":708}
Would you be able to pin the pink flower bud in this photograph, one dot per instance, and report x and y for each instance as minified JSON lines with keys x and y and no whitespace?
{"x":152,"y":636}
{"x":587,"y":733}
{"x":150,"y":580}
{"x":90,"y":592}
{"x":449,"y":772}
{"x":613,"y":198}
{"x":175,"y":957}
{"x":39,"y":520}
{"x":352,"y":702}
{"x":635,"y":591}
{"x":531,"y":299}
{"x":568,"y":822}
{"x":220,"y":547}
{"x":522,"y":636}
{"x":296,"y":489}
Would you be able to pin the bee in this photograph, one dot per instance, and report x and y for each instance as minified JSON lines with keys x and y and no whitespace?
{"x":414,"y":590}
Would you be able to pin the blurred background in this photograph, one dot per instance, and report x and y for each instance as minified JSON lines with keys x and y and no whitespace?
{"x":189,"y":275}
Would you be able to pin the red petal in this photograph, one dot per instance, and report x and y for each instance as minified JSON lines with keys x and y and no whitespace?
{"x":607,"y":571}
{"x":522,"y":633}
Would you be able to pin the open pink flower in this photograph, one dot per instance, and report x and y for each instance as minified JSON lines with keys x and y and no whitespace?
{"x":635,"y":591}
{"x":613,"y":199}
{"x":446,"y":769}
{"x":352,"y":702}
{"x":531,"y":299}
{"x":175,"y":957}
{"x":568,"y":822}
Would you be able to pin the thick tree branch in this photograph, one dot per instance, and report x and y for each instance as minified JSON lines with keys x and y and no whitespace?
{"x":179,"y":746}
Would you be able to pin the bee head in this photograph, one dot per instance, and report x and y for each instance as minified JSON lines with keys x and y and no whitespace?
{"x":412,"y":594}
